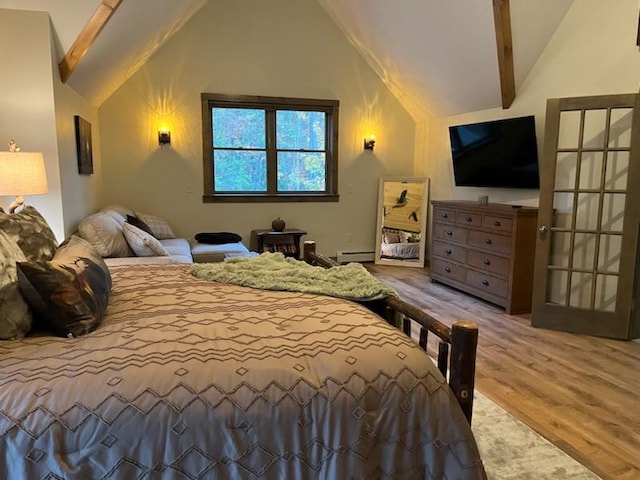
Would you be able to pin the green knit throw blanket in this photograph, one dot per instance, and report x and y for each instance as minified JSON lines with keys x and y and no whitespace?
{"x":274,"y":271}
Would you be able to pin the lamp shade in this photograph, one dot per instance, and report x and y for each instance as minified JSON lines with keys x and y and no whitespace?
{"x":22,"y":173}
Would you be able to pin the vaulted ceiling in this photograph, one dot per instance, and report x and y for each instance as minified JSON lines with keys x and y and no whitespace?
{"x":438,"y":57}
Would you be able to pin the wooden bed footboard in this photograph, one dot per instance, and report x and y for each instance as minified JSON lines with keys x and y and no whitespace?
{"x":457,"y":344}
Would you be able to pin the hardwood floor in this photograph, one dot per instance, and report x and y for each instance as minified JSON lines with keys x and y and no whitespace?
{"x":581,"y":393}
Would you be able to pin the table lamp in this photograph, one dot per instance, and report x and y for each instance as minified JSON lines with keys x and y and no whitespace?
{"x":21,"y":173}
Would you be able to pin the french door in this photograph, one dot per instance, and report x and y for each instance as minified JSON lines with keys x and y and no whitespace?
{"x":589,"y":216}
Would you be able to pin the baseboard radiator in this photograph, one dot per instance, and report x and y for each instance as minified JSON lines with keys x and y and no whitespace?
{"x":363,"y":256}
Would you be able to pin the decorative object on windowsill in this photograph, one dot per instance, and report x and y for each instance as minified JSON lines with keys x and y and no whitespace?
{"x":83,"y":145}
{"x":164,"y":137}
{"x":278,"y":225}
{"x":21,"y":173}
{"x":369,"y":142}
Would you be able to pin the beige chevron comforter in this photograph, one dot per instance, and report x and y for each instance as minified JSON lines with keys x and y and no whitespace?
{"x":192,"y":379}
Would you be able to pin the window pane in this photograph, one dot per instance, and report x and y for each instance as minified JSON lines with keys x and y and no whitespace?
{"x":238,"y":127}
{"x":617,"y":169}
{"x":566,"y":163}
{"x":301,"y":172}
{"x":557,"y":287}
{"x":580,"y":295}
{"x":587,"y":214}
{"x":591,"y":170}
{"x":559,"y":254}
{"x":620,"y":133}
{"x":606,"y":293}
{"x":569,"y":129}
{"x":595,"y":123}
{"x":584,"y":251}
{"x":300,"y":130}
{"x":240,"y":171}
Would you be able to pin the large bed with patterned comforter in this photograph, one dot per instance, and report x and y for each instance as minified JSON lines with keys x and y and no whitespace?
{"x":191,"y":379}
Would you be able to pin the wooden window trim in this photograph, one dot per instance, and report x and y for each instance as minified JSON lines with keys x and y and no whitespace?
{"x":270,"y":104}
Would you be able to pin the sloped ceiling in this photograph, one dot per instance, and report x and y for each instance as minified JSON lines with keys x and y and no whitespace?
{"x":438,"y":57}
{"x":134,"y":32}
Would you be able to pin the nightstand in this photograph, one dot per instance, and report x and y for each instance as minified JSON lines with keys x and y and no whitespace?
{"x":286,"y":241}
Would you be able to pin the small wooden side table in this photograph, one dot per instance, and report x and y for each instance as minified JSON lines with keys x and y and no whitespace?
{"x":286,"y":241}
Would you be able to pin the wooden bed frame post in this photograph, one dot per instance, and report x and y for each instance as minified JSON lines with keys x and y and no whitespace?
{"x":308,"y":250}
{"x":462,"y":336}
{"x":464,"y":343}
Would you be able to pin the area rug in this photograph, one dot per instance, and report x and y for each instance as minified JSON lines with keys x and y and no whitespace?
{"x":511,"y":450}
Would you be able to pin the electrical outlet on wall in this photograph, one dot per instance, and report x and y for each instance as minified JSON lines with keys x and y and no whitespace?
{"x":349,"y":237}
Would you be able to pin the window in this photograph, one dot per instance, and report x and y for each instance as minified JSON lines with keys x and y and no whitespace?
{"x":269,"y":149}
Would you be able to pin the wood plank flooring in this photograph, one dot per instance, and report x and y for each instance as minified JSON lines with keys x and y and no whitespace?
{"x":581,"y":393}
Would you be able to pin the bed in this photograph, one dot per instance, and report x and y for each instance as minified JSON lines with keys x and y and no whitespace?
{"x":405,"y":251}
{"x":191,"y":379}
{"x":399,"y":244}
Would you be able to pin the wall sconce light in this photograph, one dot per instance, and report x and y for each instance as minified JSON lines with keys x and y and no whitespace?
{"x":164,"y":137}
{"x":369,"y":142}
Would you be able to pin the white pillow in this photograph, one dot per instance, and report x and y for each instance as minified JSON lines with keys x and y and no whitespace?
{"x":158,"y":226}
{"x":119,"y":212}
{"x":143,"y":244}
{"x":104,"y":231}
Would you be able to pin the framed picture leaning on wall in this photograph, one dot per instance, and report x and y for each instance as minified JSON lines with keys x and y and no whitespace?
{"x":83,"y":145}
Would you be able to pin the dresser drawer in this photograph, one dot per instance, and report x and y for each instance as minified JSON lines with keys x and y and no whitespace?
{"x":490,"y":241}
{"x":500,"y":224}
{"x":448,"y":270}
{"x":487,"y":283}
{"x":449,"y":251}
{"x":450,"y":233}
{"x":490,"y":263}
{"x":464,"y":218}
{"x":444,"y":215}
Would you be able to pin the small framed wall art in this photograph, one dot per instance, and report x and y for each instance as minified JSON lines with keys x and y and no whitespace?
{"x":83,"y":145}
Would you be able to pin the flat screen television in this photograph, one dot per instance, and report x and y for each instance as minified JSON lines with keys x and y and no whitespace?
{"x":500,"y":153}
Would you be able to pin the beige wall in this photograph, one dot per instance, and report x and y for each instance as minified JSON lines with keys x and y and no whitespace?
{"x":37,"y":110}
{"x":252,"y":47}
{"x":26,"y":102}
{"x":79,"y":192}
{"x":592,"y":52}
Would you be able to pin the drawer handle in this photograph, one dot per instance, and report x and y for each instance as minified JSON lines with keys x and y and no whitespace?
{"x":497,"y":223}
{"x":448,"y":251}
{"x":449,"y":232}
{"x":485,"y":283}
{"x":487,"y":261}
{"x":468,"y":219}
{"x":488,"y":241}
{"x":444,"y":215}
{"x":447,"y":269}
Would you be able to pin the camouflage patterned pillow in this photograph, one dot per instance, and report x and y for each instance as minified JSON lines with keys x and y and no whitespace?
{"x":71,"y":292}
{"x":15,"y":316}
{"x":31,"y":232}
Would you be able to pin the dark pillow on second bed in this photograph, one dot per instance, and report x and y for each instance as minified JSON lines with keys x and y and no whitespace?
{"x":136,"y":222}
{"x":218,"y":238}
{"x":71,"y":292}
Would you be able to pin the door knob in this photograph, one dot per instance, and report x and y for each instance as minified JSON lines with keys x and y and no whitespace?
{"x":543,"y":229}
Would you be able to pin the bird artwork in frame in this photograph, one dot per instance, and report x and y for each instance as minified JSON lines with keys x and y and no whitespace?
{"x":83,"y":145}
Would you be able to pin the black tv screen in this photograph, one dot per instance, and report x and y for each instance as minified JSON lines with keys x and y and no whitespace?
{"x":500,"y":153}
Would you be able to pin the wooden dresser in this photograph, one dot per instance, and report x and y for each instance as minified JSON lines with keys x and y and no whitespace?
{"x":485,"y":250}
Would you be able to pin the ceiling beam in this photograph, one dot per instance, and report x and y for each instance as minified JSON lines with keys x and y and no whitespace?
{"x":502,"y":20}
{"x":86,"y":37}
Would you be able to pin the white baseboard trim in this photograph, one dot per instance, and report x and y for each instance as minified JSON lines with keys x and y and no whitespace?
{"x":360,"y":256}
